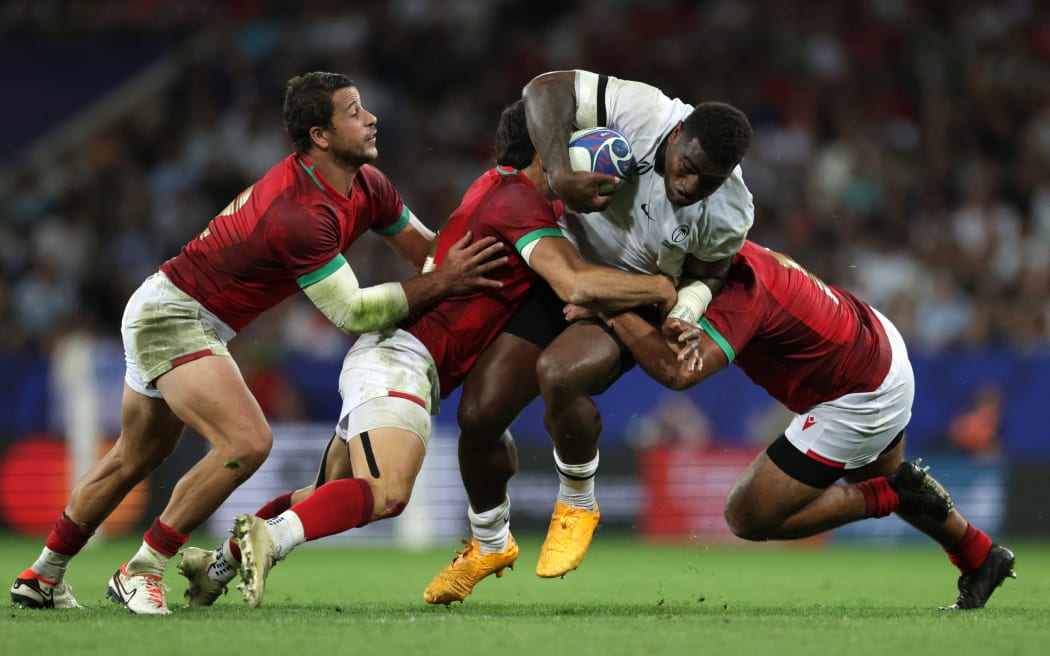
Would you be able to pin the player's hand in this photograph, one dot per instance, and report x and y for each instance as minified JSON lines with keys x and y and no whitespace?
{"x":673,"y":329}
{"x":465,"y":265}
{"x":577,"y":312}
{"x":690,"y":354}
{"x":580,"y":190}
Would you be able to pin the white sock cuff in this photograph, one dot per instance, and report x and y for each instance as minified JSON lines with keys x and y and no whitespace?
{"x":294,"y":524}
{"x":579,"y":472}
{"x":491,"y":517}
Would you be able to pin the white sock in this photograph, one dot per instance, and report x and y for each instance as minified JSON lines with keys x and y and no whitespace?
{"x":148,"y":560}
{"x":287,"y":532}
{"x":225,"y":553}
{"x":577,"y":482}
{"x":223,"y":569}
{"x":492,"y":527}
{"x":51,"y":565}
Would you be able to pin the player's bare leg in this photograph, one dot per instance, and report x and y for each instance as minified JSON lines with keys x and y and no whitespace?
{"x":767,"y":504}
{"x":149,"y":433}
{"x":581,"y":361}
{"x":384,"y":463}
{"x":500,"y":385}
{"x":210,"y":571}
{"x":210,"y":396}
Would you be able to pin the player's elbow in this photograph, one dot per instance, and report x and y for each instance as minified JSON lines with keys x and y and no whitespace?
{"x":582,"y":294}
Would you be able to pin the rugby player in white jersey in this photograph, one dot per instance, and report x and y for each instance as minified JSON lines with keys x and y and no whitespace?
{"x":684,"y":212}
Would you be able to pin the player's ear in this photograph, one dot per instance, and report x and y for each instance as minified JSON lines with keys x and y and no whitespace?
{"x":319,"y":137}
{"x":676,"y":132}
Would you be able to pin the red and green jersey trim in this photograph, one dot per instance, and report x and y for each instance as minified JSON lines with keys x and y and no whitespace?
{"x":318,"y":275}
{"x":398,"y":226}
{"x":537,"y":234}
{"x":719,"y":339}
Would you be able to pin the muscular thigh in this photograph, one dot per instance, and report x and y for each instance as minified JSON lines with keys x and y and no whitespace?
{"x":584,"y":356}
{"x":500,"y":384}
{"x":764,"y":492}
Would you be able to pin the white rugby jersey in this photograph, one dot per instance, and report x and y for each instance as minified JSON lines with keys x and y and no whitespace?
{"x":641,"y":231}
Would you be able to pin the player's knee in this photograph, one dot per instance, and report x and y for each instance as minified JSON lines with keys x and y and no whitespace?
{"x":743,"y":523}
{"x":389,"y":500}
{"x":249,"y":453}
{"x":555,"y":378}
{"x":480,"y":423}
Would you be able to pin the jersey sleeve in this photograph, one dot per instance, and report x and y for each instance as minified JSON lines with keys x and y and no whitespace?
{"x":733,"y":316}
{"x":520,"y":216}
{"x":389,"y":213}
{"x":306,"y":241}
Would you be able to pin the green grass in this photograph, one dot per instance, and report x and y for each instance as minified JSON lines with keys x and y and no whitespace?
{"x":627,"y":598}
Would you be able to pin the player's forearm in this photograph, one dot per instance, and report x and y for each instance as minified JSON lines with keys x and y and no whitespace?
{"x":550,"y":111}
{"x":650,"y":349}
{"x":608,"y":290}
{"x":356,"y":310}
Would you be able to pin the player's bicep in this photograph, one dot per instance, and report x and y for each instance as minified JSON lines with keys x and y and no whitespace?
{"x":415,"y":241}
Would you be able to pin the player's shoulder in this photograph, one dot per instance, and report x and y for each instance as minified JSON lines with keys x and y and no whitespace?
{"x":732,"y":203}
{"x":369,"y":176}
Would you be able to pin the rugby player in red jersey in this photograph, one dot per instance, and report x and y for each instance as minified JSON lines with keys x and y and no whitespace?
{"x":843,"y":368}
{"x":393,"y":379}
{"x":284,"y":233}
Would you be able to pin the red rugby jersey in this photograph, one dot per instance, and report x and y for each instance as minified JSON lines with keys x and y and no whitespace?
{"x":803,"y":341}
{"x":504,"y":204}
{"x":279,"y":235}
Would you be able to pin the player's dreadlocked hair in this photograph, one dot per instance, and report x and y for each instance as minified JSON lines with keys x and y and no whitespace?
{"x":513,"y":144}
{"x":723,"y":131}
{"x":308,"y":103}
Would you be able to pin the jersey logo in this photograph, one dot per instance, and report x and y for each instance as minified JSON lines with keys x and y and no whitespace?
{"x":679,"y":234}
{"x":810,"y":420}
{"x":641,"y":168}
{"x":645,"y":208}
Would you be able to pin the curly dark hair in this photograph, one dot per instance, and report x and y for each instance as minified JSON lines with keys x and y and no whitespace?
{"x":513,"y":145}
{"x":308,"y":102}
{"x":723,"y":131}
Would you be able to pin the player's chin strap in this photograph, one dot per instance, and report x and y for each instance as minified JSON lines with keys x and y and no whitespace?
{"x":693,"y":298}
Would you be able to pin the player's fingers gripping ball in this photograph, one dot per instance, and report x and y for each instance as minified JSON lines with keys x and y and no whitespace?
{"x":603,"y":151}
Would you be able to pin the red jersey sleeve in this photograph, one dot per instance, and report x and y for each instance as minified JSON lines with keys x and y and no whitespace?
{"x":305,"y":239}
{"x":385,"y":206}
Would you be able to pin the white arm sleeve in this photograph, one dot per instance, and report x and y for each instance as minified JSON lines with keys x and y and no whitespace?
{"x":355,"y":310}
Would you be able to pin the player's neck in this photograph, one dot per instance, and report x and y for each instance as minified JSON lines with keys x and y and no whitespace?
{"x":340,"y":175}
{"x":537,"y":175}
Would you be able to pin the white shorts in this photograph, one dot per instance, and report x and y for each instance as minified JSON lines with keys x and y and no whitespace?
{"x":389,"y":380}
{"x":163,"y":327}
{"x":853,"y":430}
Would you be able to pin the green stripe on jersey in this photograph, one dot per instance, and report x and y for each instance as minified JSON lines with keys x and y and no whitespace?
{"x":310,"y":171}
{"x":318,"y":275}
{"x":537,"y":234}
{"x":506,"y":170}
{"x":719,"y":339}
{"x":398,"y":226}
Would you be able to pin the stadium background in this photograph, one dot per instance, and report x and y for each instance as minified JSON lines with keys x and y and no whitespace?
{"x":902,"y":150}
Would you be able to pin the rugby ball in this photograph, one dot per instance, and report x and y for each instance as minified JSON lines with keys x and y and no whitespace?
{"x":603,"y":151}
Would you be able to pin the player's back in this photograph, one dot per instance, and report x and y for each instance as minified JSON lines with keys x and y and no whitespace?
{"x":802,"y":340}
{"x":502,"y":203}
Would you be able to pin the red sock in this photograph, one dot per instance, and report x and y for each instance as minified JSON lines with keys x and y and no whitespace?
{"x":164,"y":538}
{"x":276,"y":506}
{"x":335,"y":507}
{"x":971,"y":549}
{"x":879,"y":498}
{"x":66,"y":537}
{"x":235,"y":550}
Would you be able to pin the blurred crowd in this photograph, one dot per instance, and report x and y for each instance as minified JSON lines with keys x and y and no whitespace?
{"x":902,"y":147}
